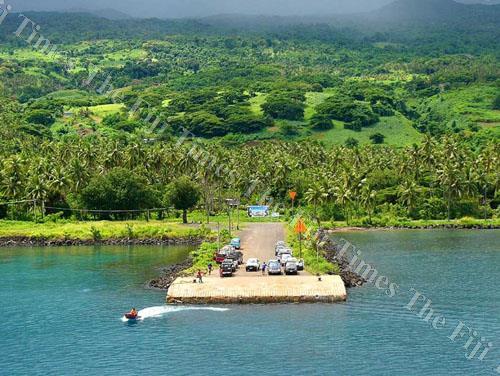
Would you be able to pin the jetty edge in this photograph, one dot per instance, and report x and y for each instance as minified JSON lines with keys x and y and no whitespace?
{"x":250,"y":290}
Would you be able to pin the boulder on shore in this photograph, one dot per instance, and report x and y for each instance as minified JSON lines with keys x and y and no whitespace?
{"x":170,"y":274}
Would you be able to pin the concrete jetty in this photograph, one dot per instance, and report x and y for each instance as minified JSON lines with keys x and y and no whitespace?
{"x":258,"y":290}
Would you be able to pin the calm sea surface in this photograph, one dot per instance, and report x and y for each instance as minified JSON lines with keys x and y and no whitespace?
{"x":62,"y":313}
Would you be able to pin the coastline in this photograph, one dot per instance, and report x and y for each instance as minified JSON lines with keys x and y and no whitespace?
{"x":23,"y":241}
{"x":67,"y":233}
{"x":172,"y":272}
{"x":444,"y":226}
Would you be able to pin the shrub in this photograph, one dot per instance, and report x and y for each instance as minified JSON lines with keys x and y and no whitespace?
{"x":246,"y":123}
{"x":351,"y":142}
{"x":347,"y":109}
{"x":3,"y":211}
{"x":96,"y":234}
{"x":496,"y":102}
{"x":382,"y":109}
{"x":377,"y":138}
{"x":288,"y":106}
{"x":43,"y":117}
{"x":321,"y":122}
{"x":289,"y":129}
{"x":130,"y":231}
{"x":354,"y":126}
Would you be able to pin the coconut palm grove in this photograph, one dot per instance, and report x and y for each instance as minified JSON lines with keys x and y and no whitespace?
{"x":371,"y":119}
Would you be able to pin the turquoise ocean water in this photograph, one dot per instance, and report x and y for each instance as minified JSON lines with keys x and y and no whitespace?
{"x":62,"y":313}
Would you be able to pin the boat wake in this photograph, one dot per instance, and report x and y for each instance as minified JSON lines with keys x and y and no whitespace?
{"x":152,"y":312}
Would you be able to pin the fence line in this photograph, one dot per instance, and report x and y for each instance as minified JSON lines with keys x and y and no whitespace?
{"x":108,"y":211}
{"x":16,"y":202}
{"x":86,"y":210}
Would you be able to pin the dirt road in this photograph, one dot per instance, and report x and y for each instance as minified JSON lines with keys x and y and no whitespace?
{"x":259,"y":239}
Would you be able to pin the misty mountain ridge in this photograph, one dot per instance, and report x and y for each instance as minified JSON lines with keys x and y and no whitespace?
{"x":402,"y":18}
{"x":432,"y":10}
{"x":108,"y":13}
{"x":398,"y":11}
{"x":167,"y":9}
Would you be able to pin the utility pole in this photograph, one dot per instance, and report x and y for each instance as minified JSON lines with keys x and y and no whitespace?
{"x":218,"y":235}
{"x":238,"y":216}
{"x":231,"y":202}
{"x":300,"y":245}
{"x":229,"y":212}
{"x":293,"y":195}
{"x":300,"y":228}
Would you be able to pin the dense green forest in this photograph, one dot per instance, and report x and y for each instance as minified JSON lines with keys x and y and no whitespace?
{"x":367,"y":119}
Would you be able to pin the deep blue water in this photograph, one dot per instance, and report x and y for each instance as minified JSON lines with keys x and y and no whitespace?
{"x":62,"y":310}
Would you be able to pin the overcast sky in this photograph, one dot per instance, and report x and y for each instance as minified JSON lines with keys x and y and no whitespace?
{"x":196,"y":8}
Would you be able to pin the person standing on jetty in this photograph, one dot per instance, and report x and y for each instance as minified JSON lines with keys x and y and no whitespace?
{"x":264,"y":267}
{"x":210,"y":266}
{"x":199,"y":275}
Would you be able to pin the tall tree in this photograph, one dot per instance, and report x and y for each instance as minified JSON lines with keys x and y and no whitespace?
{"x":183,"y":194}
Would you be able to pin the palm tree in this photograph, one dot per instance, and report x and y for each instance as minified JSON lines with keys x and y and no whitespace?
{"x":316,"y":195}
{"x":368,"y":199}
{"x":408,"y":192}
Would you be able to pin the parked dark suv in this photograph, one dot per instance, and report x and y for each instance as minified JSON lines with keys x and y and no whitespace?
{"x":237,"y":256}
{"x":226,"y":269}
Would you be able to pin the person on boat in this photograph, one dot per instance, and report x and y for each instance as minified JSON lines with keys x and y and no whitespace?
{"x":133,"y":312}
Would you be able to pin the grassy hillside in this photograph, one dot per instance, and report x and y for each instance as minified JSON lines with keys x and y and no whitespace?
{"x":397,"y":130}
{"x":470,"y":104}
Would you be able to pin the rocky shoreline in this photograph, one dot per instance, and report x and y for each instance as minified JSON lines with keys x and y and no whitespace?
{"x":41,"y":242}
{"x":330,"y":251}
{"x":170,"y":274}
{"x":450,"y":226}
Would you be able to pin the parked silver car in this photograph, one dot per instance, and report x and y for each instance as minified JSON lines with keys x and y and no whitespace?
{"x":274,"y":267}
